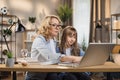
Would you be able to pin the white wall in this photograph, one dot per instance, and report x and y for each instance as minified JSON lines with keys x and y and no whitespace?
{"x":26,"y":8}
{"x":39,"y":8}
{"x":115,"y":6}
{"x":81,"y":19}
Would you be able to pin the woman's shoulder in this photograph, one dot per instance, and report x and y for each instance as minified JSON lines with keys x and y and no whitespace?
{"x":39,"y":39}
{"x":40,"y":36}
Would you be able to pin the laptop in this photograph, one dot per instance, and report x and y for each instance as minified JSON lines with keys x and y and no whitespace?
{"x":96,"y":54}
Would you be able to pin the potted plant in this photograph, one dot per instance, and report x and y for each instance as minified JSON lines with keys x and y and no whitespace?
{"x":65,"y":13}
{"x":118,"y":36}
{"x":32,"y":19}
{"x":10,"y":60}
{"x":8,"y":53}
{"x":7,"y":32}
{"x":84,"y":45}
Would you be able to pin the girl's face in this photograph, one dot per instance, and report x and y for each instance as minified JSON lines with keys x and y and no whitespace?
{"x":70,"y":40}
{"x":54,"y":27}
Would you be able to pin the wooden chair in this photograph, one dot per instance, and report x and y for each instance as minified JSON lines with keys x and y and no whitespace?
{"x":116,"y":49}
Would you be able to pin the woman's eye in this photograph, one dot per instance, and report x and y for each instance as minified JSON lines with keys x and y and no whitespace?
{"x":53,"y":25}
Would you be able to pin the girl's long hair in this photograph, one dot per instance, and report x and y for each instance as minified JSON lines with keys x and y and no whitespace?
{"x":69,"y":31}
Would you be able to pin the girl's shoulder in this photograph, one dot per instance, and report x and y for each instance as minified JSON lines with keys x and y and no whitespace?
{"x":81,"y":50}
{"x":79,"y":45}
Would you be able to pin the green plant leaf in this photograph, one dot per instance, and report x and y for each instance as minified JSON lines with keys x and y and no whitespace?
{"x":7,"y":32}
{"x":9,"y":55}
{"x":32,"y":19}
{"x":84,"y":45}
{"x":64,"y":12}
{"x":4,"y":52}
{"x":118,"y":36}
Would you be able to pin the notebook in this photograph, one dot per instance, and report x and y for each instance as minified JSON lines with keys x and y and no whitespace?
{"x":96,"y":54}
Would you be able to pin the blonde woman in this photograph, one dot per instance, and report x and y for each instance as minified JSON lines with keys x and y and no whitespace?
{"x":44,"y":46}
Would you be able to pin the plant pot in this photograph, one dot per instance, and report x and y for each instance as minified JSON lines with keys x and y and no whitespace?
{"x":33,"y":26}
{"x":9,"y":62}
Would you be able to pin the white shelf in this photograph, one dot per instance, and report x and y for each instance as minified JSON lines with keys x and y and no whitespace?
{"x":28,"y":41}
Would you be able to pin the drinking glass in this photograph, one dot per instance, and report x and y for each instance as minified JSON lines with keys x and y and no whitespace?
{"x":24,"y":53}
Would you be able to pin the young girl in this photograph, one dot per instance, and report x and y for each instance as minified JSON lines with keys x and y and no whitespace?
{"x":69,"y":46}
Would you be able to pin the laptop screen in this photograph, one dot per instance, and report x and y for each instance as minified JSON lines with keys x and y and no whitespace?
{"x":96,"y":54}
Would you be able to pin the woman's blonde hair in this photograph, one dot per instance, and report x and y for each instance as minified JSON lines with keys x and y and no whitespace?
{"x":45,"y":25}
{"x":69,"y":31}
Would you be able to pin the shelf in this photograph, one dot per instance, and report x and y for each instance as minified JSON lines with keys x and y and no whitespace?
{"x":11,"y":41}
{"x":30,"y":30}
{"x":5,"y":24}
{"x":7,"y":41}
{"x":116,"y":29}
{"x":7,"y":15}
{"x":28,"y":41}
{"x":117,"y":14}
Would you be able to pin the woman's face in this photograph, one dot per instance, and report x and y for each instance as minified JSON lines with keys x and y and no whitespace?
{"x":70,"y":40}
{"x":54,"y":27}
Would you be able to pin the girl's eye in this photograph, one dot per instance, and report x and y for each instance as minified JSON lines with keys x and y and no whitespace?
{"x":53,"y":25}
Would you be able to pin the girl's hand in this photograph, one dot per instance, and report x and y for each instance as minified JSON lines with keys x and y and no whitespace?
{"x":70,"y":59}
{"x":77,"y":59}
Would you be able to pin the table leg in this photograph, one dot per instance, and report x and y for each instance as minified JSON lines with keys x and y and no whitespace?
{"x":109,"y":76}
{"x":14,"y":75}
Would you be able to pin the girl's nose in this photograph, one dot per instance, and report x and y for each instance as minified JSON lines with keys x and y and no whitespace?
{"x":72,"y":40}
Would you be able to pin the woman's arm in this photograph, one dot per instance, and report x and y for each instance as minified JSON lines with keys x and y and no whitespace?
{"x":41,"y":51}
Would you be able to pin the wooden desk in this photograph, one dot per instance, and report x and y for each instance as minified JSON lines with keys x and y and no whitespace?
{"x":107,"y":67}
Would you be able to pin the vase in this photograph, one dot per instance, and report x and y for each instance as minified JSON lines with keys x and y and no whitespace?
{"x":98,"y":35}
{"x":9,"y":62}
{"x":33,"y":26}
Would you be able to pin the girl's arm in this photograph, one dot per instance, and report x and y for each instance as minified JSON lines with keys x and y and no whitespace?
{"x":71,"y":58}
{"x":82,"y":52}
